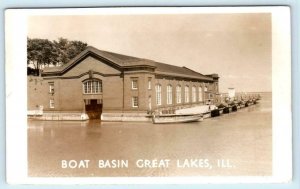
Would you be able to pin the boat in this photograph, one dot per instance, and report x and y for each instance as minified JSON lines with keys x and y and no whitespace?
{"x":241,"y":104}
{"x":205,"y":110}
{"x":249,"y":103}
{"x":227,"y":110}
{"x":223,"y":108}
{"x":234,"y":108}
{"x":176,"y":118}
{"x":206,"y":114}
{"x":216,"y":112}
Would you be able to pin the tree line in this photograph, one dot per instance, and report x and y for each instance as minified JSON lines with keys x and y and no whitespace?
{"x":44,"y":53}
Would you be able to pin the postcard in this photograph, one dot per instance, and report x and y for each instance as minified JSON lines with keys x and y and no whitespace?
{"x":148,"y":95}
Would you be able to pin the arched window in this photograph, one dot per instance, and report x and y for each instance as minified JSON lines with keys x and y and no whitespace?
{"x":194,"y":94}
{"x":200,"y":95}
{"x":158,"y":94}
{"x":178,"y":94}
{"x":186,"y":94}
{"x":92,"y":86}
{"x":169,"y":94}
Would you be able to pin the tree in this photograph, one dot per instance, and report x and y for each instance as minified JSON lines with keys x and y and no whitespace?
{"x":40,"y":52}
{"x":68,"y":49}
{"x":43,"y":52}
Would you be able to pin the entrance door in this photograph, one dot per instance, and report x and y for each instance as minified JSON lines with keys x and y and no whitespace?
{"x":93,"y":109}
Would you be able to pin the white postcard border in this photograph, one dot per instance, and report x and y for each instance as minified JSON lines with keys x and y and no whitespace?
{"x":16,"y":93}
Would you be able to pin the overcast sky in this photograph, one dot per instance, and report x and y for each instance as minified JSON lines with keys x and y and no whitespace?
{"x":235,"y":46}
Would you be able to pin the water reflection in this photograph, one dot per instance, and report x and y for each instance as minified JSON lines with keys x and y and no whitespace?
{"x":244,"y":137}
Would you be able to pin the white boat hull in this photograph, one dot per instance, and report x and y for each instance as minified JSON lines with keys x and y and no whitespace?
{"x":177,"y":118}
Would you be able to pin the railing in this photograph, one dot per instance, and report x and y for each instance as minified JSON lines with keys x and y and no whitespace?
{"x":224,"y":97}
{"x":219,"y":99}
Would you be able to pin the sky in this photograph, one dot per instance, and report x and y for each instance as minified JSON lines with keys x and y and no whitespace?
{"x":237,"y":46}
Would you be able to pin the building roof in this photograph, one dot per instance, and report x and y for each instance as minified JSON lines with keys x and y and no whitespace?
{"x":124,"y":61}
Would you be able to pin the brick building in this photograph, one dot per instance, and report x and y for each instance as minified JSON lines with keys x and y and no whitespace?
{"x":110,"y":86}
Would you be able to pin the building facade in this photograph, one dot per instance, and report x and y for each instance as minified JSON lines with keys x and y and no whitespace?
{"x":113,"y":87}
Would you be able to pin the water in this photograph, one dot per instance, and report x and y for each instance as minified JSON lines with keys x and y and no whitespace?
{"x":241,"y":140}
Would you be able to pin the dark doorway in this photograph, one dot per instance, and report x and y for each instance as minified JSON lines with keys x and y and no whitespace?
{"x":93,"y":108}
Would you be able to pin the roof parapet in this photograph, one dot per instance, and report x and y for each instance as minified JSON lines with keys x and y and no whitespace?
{"x":214,"y":75}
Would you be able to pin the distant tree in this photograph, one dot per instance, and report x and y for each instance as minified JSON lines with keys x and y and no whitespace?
{"x":68,"y":49}
{"x":43,"y":52}
{"x":61,"y":45}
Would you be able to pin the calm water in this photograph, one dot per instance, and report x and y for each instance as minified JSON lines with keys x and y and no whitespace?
{"x":241,"y":140}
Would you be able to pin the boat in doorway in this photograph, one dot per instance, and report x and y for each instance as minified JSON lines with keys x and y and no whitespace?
{"x":176,"y":118}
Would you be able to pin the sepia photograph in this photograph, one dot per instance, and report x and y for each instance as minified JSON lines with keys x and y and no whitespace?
{"x":150,"y":94}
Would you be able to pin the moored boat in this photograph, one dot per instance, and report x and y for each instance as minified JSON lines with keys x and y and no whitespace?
{"x":177,"y":118}
{"x":216,"y":112}
{"x":205,"y":110}
{"x":224,"y":108}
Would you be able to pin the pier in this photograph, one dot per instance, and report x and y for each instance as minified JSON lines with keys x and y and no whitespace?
{"x":224,"y":103}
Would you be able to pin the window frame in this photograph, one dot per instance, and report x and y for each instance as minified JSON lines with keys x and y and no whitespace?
{"x":134,"y":80}
{"x":194,"y":94}
{"x":133,"y":102}
{"x":149,"y":83}
{"x":92,"y":86}
{"x":216,"y":86}
{"x":186,"y":94}
{"x":51,"y":87}
{"x":51,"y":104}
{"x":200,"y":94}
{"x":169,"y":94}
{"x":178,"y":94}
{"x":205,"y":88}
{"x":158,"y":95}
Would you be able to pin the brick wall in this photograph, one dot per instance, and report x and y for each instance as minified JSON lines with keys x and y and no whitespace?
{"x":37,"y":93}
{"x":117,"y":89}
{"x":90,"y":63}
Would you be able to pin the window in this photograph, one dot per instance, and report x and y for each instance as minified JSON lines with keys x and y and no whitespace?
{"x":200,"y":95}
{"x":158,"y":94}
{"x":210,"y":86}
{"x":134,"y":83}
{"x":205,"y":89}
{"x":194,"y":94}
{"x":51,"y":104}
{"x":92,"y":87}
{"x":169,"y":94}
{"x":178,"y":94}
{"x":135,"y":101}
{"x":149,"y":83}
{"x":186,"y":94}
{"x":51,"y":88}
